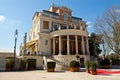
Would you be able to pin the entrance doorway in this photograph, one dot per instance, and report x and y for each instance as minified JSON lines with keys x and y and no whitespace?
{"x":82,"y":62}
{"x":31,"y":64}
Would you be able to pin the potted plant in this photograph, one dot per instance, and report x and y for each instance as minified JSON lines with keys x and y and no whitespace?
{"x":74,"y":66}
{"x":23,"y":64}
{"x":87,"y":65}
{"x":93,"y":68}
{"x":105,"y":63}
{"x":9,"y":64}
{"x":51,"y":66}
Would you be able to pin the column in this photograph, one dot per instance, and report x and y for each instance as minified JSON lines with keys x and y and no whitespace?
{"x":50,"y":25}
{"x":81,"y":26}
{"x":59,"y":27}
{"x":76,"y":44}
{"x":41,"y":25}
{"x":68,"y":45}
{"x":74,"y":26}
{"x":87,"y":45}
{"x":53,"y":27}
{"x":67,"y":26}
{"x":59,"y":45}
{"x":53,"y":46}
{"x":83,"y":45}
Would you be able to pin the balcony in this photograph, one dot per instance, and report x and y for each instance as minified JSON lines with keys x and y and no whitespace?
{"x":68,"y":32}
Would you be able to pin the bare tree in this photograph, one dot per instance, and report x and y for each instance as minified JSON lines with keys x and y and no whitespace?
{"x":109,"y":26}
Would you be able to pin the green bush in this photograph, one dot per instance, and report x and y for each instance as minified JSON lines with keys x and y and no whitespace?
{"x":105,"y":62}
{"x":51,"y":64}
{"x":74,"y":64}
{"x":9,"y":63}
{"x":93,"y":66}
{"x":115,"y":61}
{"x":87,"y":64}
{"x":23,"y":63}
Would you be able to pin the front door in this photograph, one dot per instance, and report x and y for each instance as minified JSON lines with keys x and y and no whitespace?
{"x":31,"y":64}
{"x":81,"y":62}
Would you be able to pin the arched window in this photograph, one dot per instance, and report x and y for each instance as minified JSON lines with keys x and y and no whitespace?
{"x":65,"y":16}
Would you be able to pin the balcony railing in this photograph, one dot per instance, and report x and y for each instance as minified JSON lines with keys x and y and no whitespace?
{"x":48,"y":15}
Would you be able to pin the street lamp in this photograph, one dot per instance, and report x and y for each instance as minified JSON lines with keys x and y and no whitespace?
{"x":15,"y":35}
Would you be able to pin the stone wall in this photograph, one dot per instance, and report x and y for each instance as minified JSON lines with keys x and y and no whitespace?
{"x":66,"y":59}
{"x":39,"y":61}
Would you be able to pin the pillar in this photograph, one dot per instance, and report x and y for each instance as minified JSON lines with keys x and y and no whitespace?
{"x":67,"y":26}
{"x":87,"y":45}
{"x":76,"y":44}
{"x":59,"y":45}
{"x":53,"y":46}
{"x":74,"y":26}
{"x":50,"y":24}
{"x":83,"y":45}
{"x":68,"y":45}
{"x":59,"y":27}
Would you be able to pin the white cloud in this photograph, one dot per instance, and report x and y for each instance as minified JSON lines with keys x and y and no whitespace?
{"x":118,"y":11}
{"x":2,"y":18}
{"x":89,"y":24}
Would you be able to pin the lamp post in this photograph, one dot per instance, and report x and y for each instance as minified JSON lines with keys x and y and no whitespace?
{"x":15,"y":35}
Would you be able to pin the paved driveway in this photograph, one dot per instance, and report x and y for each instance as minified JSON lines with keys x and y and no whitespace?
{"x":59,"y":75}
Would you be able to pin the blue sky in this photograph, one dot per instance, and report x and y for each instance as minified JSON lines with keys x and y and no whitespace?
{"x":17,"y":14}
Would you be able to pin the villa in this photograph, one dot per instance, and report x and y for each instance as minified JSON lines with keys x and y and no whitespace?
{"x":58,"y":36}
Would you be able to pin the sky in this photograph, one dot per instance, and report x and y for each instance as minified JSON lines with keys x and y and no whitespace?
{"x":17,"y":14}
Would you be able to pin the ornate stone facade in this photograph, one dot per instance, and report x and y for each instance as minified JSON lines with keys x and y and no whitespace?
{"x":55,"y":32}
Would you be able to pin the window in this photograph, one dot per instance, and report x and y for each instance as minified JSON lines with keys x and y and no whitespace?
{"x":65,"y":16}
{"x":55,"y":26}
{"x":45,"y":24}
{"x":77,"y":27}
{"x":83,"y":29}
{"x":63,"y":27}
{"x":71,"y":27}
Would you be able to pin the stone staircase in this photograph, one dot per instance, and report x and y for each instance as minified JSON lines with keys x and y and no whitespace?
{"x":59,"y":65}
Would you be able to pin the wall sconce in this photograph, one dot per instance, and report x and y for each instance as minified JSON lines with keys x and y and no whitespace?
{"x":46,"y":42}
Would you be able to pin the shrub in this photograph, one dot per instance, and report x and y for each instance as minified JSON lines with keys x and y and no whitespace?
{"x":87,"y":64}
{"x":9,"y":63}
{"x":93,"y":66}
{"x":74,"y":64}
{"x":115,"y":61}
{"x":51,"y":64}
{"x":23,"y":63}
{"x":105,"y":62}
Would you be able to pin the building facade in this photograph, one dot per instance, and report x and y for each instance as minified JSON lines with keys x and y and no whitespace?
{"x":3,"y":58}
{"x":55,"y":32}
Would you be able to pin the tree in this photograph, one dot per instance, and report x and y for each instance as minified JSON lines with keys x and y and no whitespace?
{"x":109,"y":26}
{"x":94,"y":47}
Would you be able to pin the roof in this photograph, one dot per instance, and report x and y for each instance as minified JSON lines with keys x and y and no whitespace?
{"x":77,"y":18}
{"x":35,"y":14}
{"x":65,"y":7}
{"x":52,"y":13}
{"x":5,"y":51}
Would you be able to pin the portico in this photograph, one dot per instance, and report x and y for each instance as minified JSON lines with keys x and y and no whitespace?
{"x":69,"y":45}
